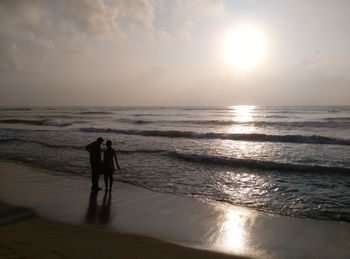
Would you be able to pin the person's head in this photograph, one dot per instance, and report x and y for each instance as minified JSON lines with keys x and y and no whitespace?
{"x":99,"y":140}
{"x":109,"y":143}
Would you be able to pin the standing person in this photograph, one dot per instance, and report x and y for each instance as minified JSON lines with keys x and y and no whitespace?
{"x":94,"y":149}
{"x":108,"y":165}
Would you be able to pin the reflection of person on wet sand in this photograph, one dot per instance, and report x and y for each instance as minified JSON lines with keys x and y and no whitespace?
{"x":91,"y":212}
{"x":98,"y":215}
{"x":105,"y":210}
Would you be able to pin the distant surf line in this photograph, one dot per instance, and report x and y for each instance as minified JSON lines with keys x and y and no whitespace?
{"x":255,"y":137}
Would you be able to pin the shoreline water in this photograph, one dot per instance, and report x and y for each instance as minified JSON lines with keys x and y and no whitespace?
{"x":283,"y":160}
{"x":206,"y":225}
{"x":73,"y":174}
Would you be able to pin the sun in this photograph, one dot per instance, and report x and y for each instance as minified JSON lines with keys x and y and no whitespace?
{"x":244,"y":47}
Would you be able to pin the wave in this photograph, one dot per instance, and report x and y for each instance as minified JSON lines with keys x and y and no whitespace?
{"x":19,"y":140}
{"x":277,"y":116}
{"x":152,"y":114}
{"x":56,"y":168}
{"x":299,"y":124}
{"x":206,"y":159}
{"x":135,"y":121}
{"x":95,"y":112}
{"x":35,"y":122}
{"x":141,"y":122}
{"x":258,"y":164}
{"x":76,"y":147}
{"x":204,"y":108}
{"x":335,"y":119}
{"x":314,"y":139}
{"x":294,"y":124}
{"x":15,"y":109}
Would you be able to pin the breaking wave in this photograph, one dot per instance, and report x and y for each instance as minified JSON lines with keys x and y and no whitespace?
{"x":258,"y":164}
{"x":340,"y":122}
{"x":314,"y":139}
{"x":19,"y":140}
{"x":36,"y":122}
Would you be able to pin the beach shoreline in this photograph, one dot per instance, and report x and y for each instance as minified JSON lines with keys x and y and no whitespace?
{"x":131,"y":210}
{"x":35,"y":237}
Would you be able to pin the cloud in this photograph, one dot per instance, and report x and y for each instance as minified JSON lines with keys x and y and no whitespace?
{"x":75,"y":51}
{"x":9,"y":58}
{"x":311,"y":65}
{"x":163,"y":34}
{"x":29,"y":27}
{"x":185,"y":19}
{"x":203,"y":7}
{"x":39,"y":17}
{"x":152,"y":75}
{"x":186,"y":35}
{"x":311,"y":61}
{"x":139,"y":13}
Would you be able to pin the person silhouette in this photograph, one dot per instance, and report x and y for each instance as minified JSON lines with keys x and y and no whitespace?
{"x":108,"y":165}
{"x":94,"y":149}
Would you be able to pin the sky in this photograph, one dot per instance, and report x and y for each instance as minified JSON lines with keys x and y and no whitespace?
{"x":170,"y":52}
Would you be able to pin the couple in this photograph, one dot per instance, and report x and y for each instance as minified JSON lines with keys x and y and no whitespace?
{"x":97,"y":167}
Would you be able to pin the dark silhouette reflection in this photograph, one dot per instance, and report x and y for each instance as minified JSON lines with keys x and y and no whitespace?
{"x":99,"y":214}
{"x":91,"y":212}
{"x":105,"y":210}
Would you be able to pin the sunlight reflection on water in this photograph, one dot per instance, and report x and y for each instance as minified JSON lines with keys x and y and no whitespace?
{"x":242,"y":114}
{"x":234,"y":232}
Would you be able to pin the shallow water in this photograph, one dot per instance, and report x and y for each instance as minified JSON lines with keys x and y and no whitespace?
{"x":285,"y":160}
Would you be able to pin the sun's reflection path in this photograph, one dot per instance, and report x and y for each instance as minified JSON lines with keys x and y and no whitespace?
{"x":242,"y":116}
{"x":243,"y":113}
{"x":233,"y":232}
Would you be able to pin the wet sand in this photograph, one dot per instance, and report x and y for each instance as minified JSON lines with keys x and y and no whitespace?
{"x":39,"y":238}
{"x":128,"y":209}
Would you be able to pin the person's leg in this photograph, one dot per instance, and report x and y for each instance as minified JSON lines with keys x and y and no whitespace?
{"x":92,"y":179}
{"x":95,"y":176}
{"x":110,"y":181}
{"x":106,"y":181}
{"x":98,"y":171}
{"x":92,"y":175}
{"x":94,"y":182}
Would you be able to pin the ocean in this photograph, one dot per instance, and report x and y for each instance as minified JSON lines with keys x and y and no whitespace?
{"x":283,"y":160}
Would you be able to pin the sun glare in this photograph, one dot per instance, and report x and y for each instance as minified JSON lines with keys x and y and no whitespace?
{"x":234,"y":232}
{"x":242,"y":113}
{"x":244,"y":47}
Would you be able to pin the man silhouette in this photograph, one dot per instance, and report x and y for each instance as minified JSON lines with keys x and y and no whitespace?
{"x":94,"y":149}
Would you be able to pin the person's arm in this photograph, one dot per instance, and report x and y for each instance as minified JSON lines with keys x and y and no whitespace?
{"x":88,"y":148}
{"x":116,"y":160}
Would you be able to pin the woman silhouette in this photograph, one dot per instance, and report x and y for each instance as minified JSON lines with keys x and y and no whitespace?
{"x":108,"y":165}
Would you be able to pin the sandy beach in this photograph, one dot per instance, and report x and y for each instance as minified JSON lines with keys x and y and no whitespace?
{"x":65,"y":219}
{"x":38,"y":238}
